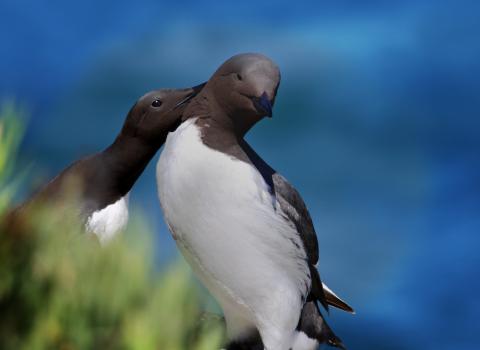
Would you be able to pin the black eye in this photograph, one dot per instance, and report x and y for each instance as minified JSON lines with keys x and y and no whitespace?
{"x":156,"y":103}
{"x":238,"y":76}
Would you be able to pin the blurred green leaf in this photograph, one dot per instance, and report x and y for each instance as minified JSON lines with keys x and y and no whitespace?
{"x":60,"y":290}
{"x":11,"y":132}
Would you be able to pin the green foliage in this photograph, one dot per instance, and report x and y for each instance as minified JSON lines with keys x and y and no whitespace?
{"x":60,"y":290}
{"x":11,"y":130}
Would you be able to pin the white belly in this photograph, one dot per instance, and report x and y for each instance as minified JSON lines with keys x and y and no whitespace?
{"x":223,"y":217}
{"x":109,"y":221}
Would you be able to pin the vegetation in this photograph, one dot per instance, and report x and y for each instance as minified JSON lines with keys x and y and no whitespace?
{"x":60,"y":290}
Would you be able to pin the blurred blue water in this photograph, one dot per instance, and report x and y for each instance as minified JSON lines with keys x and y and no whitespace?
{"x":376,"y":123}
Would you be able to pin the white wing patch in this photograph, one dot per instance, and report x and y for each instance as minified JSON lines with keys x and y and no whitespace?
{"x":109,"y":221}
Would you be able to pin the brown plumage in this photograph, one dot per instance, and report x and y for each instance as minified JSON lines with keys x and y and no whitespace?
{"x":103,"y":178}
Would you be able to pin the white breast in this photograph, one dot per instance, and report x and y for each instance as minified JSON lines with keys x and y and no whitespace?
{"x":303,"y":342}
{"x":222,"y":215}
{"x":109,"y":221}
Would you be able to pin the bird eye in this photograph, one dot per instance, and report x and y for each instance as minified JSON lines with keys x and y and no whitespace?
{"x":238,"y":76}
{"x":156,"y":103}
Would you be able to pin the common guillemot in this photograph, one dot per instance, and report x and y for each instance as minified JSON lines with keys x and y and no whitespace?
{"x":243,"y":227}
{"x":103,"y":180}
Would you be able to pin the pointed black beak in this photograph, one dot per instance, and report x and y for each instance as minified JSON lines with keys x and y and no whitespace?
{"x":263,"y":104}
{"x":194,"y":92}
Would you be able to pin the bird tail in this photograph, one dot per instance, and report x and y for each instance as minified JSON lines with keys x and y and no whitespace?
{"x":334,"y":300}
{"x":324,"y":295}
{"x":313,"y":330}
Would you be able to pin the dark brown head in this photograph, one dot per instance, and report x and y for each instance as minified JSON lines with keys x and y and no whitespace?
{"x":157,"y":113}
{"x":244,"y":89}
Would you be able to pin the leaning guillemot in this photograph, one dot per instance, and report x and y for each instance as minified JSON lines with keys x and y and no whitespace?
{"x":242,"y":227}
{"x":103,"y":180}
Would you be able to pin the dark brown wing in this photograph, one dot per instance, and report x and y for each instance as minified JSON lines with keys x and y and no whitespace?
{"x":294,"y":207}
{"x":295,"y":210}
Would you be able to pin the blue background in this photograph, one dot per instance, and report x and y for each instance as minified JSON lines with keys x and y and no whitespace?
{"x":376,"y":123}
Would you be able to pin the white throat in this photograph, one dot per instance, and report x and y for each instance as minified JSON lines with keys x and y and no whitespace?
{"x":106,"y":223}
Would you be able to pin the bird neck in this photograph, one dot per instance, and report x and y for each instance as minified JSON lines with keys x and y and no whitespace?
{"x":126,"y":158}
{"x":209,"y":111}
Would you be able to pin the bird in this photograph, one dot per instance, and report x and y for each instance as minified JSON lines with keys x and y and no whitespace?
{"x":103,"y":180}
{"x":242,"y":227}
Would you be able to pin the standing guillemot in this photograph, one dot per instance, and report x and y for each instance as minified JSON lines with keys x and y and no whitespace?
{"x":102,"y":181}
{"x":245,"y":231}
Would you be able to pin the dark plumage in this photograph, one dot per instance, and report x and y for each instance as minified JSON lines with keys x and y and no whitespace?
{"x":103,"y":178}
{"x":239,"y":94}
